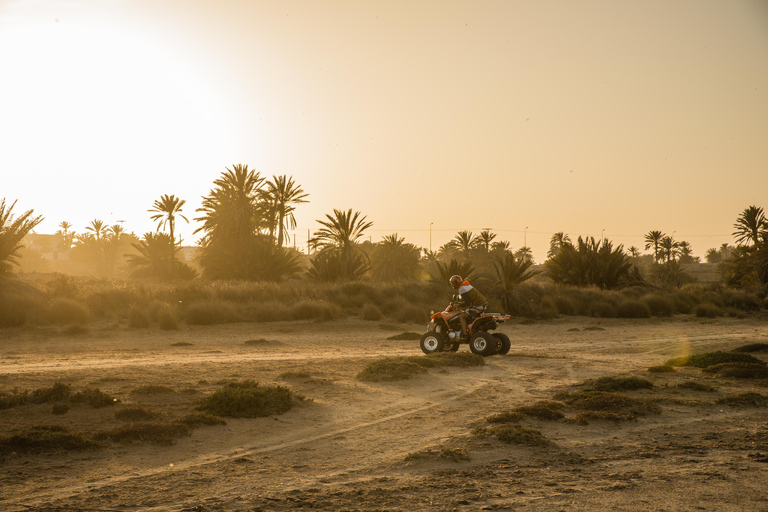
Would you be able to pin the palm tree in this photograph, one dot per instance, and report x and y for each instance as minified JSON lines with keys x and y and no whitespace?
{"x":12,"y":231}
{"x":590,"y":262}
{"x":668,"y":248}
{"x":281,"y":194}
{"x":153,"y":260}
{"x":484,"y":239}
{"x":67,"y":235}
{"x":750,"y":226}
{"x":634,"y":252}
{"x":166,"y":209}
{"x":340,"y":256}
{"x":685,"y":251}
{"x":501,"y":246}
{"x":557,"y":242}
{"x":464,"y":241}
{"x":98,"y":228}
{"x":393,"y":259}
{"x":342,"y":230}
{"x":524,"y":254}
{"x":653,"y":239}
{"x":511,"y":272}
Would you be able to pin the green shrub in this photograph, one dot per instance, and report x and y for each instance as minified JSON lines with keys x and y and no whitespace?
{"x":162,"y":433}
{"x":248,"y":399}
{"x":739,"y":370}
{"x":633,"y":309}
{"x":713,"y":358}
{"x":619,"y":384}
{"x":515,"y":434}
{"x":45,"y":438}
{"x":68,"y":311}
{"x":212,"y":312}
{"x":707,"y":310}
{"x":94,"y":397}
{"x":659,"y":305}
{"x":371,"y":312}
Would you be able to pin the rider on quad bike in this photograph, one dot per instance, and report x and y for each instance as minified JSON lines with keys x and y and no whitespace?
{"x":469,"y":299}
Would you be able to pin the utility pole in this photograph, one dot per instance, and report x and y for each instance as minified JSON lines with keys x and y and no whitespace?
{"x":430,"y":236}
{"x":525,"y":237}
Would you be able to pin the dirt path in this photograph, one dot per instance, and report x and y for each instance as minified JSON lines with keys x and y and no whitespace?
{"x":349,"y":448}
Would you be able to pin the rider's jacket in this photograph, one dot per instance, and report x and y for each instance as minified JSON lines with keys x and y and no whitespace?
{"x":469,"y":296}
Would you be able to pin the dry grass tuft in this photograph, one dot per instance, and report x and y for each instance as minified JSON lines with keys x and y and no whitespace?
{"x":753,"y":347}
{"x":152,"y":389}
{"x":744,"y":399}
{"x":45,"y":438}
{"x":162,"y":433}
{"x":739,"y":370}
{"x":94,"y":397}
{"x":136,"y":414}
{"x":713,"y":358}
{"x":543,"y":410}
{"x":696,"y":386}
{"x":450,"y":454}
{"x":515,"y":434}
{"x":619,"y":384}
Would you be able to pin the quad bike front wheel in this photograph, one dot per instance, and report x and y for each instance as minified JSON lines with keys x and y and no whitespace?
{"x":431,"y":343}
{"x":503,"y":343}
{"x":483,"y":344}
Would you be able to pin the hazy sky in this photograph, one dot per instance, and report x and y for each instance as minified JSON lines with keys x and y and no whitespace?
{"x":574,"y":116}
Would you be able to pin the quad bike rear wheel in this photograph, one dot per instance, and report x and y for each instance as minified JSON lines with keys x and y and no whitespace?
{"x":450,"y":347}
{"x":483,"y":344}
{"x":431,"y":343}
{"x":503,"y":343}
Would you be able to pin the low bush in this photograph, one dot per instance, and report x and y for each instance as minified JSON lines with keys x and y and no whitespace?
{"x":543,"y":410}
{"x":94,"y":397}
{"x":294,"y":375}
{"x":68,"y":311}
{"x":747,"y":399}
{"x":315,"y":310}
{"x":662,"y":368}
{"x":269,"y":312}
{"x":707,"y":310}
{"x":249,"y":399}
{"x":739,"y":370}
{"x":212,"y":312}
{"x":752,"y":347}
{"x":506,"y":417}
{"x":413,"y":315}
{"x":152,"y":389}
{"x":162,"y":433}
{"x":695,"y":386}
{"x":45,"y":438}
{"x":633,"y":309}
{"x":202,"y":419}
{"x":167,"y":318}
{"x":59,"y":409}
{"x":712,"y":358}
{"x":138,"y":318}
{"x":605,"y":405}
{"x":451,"y":454}
{"x":659,"y":305}
{"x":619,"y":384}
{"x":515,"y":434}
{"x":371,"y":312}
{"x":56,"y":393}
{"x":390,"y":369}
{"x":136,"y":414}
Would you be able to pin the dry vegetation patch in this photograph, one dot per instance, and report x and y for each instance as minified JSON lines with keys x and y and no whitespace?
{"x":752,"y":347}
{"x":162,"y":433}
{"x":619,"y":384}
{"x":515,"y":434}
{"x":249,"y":399}
{"x":45,"y":438}
{"x":744,"y":399}
{"x":712,"y":358}
{"x":409,"y":336}
{"x":402,"y":368}
{"x":739,"y":370}
{"x":443,"y":454}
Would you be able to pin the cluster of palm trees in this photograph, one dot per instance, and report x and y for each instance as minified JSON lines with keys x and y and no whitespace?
{"x":748,"y":261}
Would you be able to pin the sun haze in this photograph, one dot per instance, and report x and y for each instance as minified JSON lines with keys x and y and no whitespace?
{"x":529,"y":118}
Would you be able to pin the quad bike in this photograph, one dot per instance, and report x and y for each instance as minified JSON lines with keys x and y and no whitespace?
{"x":444,"y":333}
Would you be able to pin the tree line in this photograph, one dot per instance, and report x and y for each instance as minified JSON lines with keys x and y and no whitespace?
{"x":245,"y":220}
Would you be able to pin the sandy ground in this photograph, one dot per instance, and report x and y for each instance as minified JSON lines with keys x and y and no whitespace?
{"x":347,"y":448}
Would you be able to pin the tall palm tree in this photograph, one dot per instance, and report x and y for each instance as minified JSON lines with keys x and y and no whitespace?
{"x":484,"y":239}
{"x":98,"y":228}
{"x":464,"y":241}
{"x":280,"y":194}
{"x":634,"y":252}
{"x":669,"y":248}
{"x":524,"y":254}
{"x":66,"y":235}
{"x":12,"y":231}
{"x":557,"y":242}
{"x":510,"y":273}
{"x":340,"y":256}
{"x":166,"y":209}
{"x":750,"y":226}
{"x":653,"y":239}
{"x":501,"y":246}
{"x":342,"y":230}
